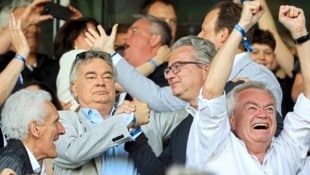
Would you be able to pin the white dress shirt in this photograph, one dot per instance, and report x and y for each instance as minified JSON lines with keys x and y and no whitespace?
{"x":213,"y":148}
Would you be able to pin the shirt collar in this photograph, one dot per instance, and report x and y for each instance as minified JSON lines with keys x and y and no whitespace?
{"x":94,"y":116}
{"x":34,"y":162}
{"x":239,"y":56}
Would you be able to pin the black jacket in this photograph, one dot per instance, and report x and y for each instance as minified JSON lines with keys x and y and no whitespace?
{"x":145,"y":159}
{"x":15,"y":157}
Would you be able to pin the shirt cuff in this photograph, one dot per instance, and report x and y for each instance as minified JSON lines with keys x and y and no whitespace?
{"x":213,"y":107}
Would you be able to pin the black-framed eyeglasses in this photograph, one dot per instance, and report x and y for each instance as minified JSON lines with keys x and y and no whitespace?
{"x":176,"y":66}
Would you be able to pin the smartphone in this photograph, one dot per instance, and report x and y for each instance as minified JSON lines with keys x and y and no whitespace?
{"x":57,"y":11}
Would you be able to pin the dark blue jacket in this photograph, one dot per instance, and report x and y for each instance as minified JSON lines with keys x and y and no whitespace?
{"x":15,"y":157}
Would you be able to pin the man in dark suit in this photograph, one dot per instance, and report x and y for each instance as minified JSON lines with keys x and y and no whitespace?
{"x":32,"y":123}
{"x":186,"y":64}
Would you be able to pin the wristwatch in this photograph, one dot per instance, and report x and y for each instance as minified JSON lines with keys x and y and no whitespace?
{"x":302,"y":39}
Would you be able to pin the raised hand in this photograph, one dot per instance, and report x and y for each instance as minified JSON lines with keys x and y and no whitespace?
{"x":251,"y":13}
{"x":126,"y":107}
{"x":102,"y":41}
{"x":142,"y":113}
{"x":33,"y":14}
{"x":162,"y":55}
{"x":18,"y":38}
{"x":293,"y":19}
{"x":74,"y":12}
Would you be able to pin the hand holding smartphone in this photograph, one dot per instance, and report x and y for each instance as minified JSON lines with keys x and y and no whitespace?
{"x":57,"y":11}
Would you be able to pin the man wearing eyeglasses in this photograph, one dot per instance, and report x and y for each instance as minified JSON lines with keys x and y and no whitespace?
{"x":185,"y":74}
{"x":215,"y":28}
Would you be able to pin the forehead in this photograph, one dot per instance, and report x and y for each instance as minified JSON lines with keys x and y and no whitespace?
{"x":210,"y":18}
{"x":254,"y":95}
{"x":142,"y":24}
{"x":184,"y":53}
{"x":95,"y":64}
{"x":52,"y":114}
{"x":261,"y":46}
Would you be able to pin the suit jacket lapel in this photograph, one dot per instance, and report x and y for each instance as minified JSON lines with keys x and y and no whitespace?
{"x":87,"y":126}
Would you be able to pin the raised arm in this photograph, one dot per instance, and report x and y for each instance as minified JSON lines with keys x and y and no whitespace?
{"x":284,"y":56}
{"x":293,"y":19}
{"x":137,"y":85}
{"x":10,"y":74}
{"x":31,"y":15}
{"x":211,"y":128}
{"x":219,"y":72}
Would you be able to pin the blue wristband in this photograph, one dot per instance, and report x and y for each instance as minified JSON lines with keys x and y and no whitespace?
{"x":246,"y":42}
{"x":21,"y":58}
{"x":155,"y":65}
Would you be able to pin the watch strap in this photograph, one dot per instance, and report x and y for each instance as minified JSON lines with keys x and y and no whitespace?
{"x":302,"y":39}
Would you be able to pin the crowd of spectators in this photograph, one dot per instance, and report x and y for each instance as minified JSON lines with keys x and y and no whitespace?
{"x":232,"y":100}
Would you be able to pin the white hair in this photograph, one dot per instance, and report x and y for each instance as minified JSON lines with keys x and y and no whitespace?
{"x":8,"y":9}
{"x":20,"y":109}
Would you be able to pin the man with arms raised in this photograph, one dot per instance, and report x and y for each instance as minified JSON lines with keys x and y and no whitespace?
{"x":242,"y":136}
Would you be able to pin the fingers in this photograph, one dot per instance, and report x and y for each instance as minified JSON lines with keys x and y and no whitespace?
{"x":114,"y":31}
{"x":66,"y":106}
{"x":91,"y":35}
{"x":18,"y":39}
{"x":126,"y":107}
{"x":251,"y":13}
{"x":101,"y":31}
{"x":75,"y":13}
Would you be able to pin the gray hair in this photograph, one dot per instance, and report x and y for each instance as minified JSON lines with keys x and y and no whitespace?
{"x":158,"y":26}
{"x":231,"y":96}
{"x":86,"y":56}
{"x":9,"y":8}
{"x":204,"y":49}
{"x":22,"y":108}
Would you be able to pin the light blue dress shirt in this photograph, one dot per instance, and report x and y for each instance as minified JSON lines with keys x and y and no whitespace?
{"x":115,"y":160}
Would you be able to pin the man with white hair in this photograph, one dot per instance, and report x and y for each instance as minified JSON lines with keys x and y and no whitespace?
{"x":31,"y":122}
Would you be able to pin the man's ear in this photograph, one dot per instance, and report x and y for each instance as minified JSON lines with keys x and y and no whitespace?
{"x":224,"y":35}
{"x":232,"y":121}
{"x":34,"y":129}
{"x":74,"y":89}
{"x":155,"y":40}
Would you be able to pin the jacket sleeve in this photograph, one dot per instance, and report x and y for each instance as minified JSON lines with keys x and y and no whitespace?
{"x":159,"y":98}
{"x":145,"y":159}
{"x":79,"y":145}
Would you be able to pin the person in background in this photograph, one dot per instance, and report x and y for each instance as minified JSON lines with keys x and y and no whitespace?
{"x":68,"y":42}
{"x":35,"y":85}
{"x":38,"y":66}
{"x":30,"y":16}
{"x":143,"y":40}
{"x":247,"y":127}
{"x":164,"y":10}
{"x":12,"y":71}
{"x":263,"y":53}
